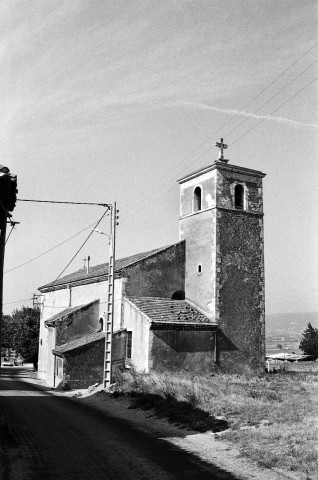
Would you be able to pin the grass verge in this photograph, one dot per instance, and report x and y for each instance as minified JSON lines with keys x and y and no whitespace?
{"x":272,"y":419}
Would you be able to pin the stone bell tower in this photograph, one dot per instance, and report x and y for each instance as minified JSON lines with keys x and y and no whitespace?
{"x":221,"y":220}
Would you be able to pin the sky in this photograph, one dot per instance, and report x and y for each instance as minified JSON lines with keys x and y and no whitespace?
{"x":105,"y":101}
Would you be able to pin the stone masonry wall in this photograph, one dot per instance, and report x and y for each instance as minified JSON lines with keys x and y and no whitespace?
{"x":84,"y":367}
{"x":225,"y":192}
{"x":80,"y":323}
{"x":157,"y":276}
{"x":172,"y":350}
{"x":240,"y":291}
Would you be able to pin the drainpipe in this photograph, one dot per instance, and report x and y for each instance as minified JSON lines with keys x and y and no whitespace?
{"x":214,"y":349}
{"x":70,"y":297}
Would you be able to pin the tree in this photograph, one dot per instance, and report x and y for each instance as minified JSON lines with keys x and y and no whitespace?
{"x":8,"y":329}
{"x":309,"y":342}
{"x":21,"y":332}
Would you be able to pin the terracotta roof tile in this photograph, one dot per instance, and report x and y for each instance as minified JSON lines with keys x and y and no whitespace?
{"x":164,"y":310}
{"x":79,"y":342}
{"x":64,"y":314}
{"x":101,"y":270}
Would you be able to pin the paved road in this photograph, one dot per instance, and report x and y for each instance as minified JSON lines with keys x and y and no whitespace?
{"x":44,"y":436}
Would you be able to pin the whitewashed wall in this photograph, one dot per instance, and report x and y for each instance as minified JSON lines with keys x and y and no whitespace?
{"x":138,"y":323}
{"x":57,"y":301}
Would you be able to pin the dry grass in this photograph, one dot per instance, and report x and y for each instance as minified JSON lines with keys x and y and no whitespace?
{"x":281,"y":409}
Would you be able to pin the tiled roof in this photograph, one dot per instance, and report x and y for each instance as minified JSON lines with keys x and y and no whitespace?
{"x":163,"y":311}
{"x":79,"y":342}
{"x":99,"y":270}
{"x":64,"y":314}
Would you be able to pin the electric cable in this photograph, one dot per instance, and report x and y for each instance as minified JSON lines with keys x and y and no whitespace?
{"x":235,"y":115}
{"x":12,"y":227}
{"x":275,"y":110}
{"x":85,"y":241}
{"x":237,"y":139}
{"x":268,"y":86}
{"x":18,"y":301}
{"x":271,"y":98}
{"x":67,"y":203}
{"x":50,"y":250}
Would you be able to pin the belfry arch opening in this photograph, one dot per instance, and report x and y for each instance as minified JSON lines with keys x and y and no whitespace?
{"x":197,"y":202}
{"x":239,"y":196}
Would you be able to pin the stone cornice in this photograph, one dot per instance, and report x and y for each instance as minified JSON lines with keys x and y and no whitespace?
{"x":222,"y":166}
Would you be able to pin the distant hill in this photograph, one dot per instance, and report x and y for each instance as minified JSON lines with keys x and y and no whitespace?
{"x":290,"y":322}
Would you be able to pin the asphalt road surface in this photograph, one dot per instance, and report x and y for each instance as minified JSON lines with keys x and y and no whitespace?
{"x":44,"y":436}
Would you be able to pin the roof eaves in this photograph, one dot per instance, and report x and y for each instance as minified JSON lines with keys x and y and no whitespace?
{"x":50,"y":287}
{"x":103,"y":276}
{"x":149,"y":255}
{"x":76,"y":344}
{"x":199,"y":326}
{"x":58,"y":317}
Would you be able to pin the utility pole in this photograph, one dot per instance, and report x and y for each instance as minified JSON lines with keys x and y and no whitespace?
{"x":107,"y":377}
{"x":8,"y":196}
{"x":3,"y":229}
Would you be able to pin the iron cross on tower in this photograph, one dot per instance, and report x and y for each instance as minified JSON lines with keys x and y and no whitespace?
{"x":222,"y":146}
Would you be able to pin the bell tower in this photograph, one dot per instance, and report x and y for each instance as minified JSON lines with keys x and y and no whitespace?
{"x":221,"y":220}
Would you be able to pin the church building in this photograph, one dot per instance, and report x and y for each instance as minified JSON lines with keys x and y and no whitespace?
{"x":196,"y":305}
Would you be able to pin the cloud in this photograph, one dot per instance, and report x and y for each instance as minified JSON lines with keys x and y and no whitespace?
{"x":77,"y":61}
{"x":242,"y":113}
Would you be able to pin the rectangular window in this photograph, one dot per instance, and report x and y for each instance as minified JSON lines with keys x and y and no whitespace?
{"x":59,"y":365}
{"x":128,"y":344}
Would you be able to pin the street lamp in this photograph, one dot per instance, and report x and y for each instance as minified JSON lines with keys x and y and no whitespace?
{"x":102,"y":233}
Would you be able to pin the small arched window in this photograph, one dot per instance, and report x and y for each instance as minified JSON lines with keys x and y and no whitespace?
{"x":197,"y":199}
{"x":101,"y":323}
{"x":239,"y":197}
{"x":178,"y":295}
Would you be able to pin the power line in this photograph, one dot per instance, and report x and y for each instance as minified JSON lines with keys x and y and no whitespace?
{"x":271,"y":98}
{"x":268,"y":86}
{"x":85,"y":241}
{"x":252,"y":128}
{"x":53,"y":248}
{"x":253,"y":113}
{"x":262,"y":120}
{"x":12,"y":227}
{"x":275,"y":110}
{"x":67,"y":203}
{"x":18,"y":301}
{"x":234,"y":116}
